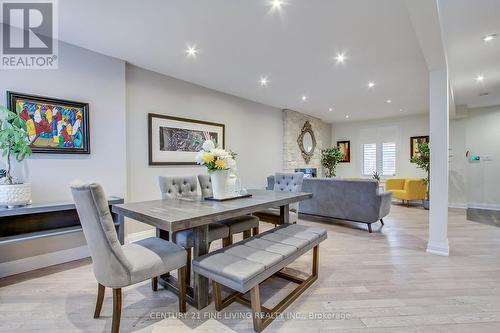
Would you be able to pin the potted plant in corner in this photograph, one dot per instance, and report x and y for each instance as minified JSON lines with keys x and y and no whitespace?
{"x":423,"y":161}
{"x":330,"y":157}
{"x":15,"y":147}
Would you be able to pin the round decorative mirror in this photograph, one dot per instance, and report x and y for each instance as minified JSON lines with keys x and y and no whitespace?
{"x":307,"y":142}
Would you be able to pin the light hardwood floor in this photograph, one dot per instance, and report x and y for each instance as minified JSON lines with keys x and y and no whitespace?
{"x":380,"y":282}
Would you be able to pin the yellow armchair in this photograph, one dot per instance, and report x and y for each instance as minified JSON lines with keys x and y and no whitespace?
{"x":407,"y":189}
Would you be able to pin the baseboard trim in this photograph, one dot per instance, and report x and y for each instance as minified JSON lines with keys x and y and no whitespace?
{"x":483,"y":206}
{"x":440,"y":249}
{"x":59,"y":257}
{"x":457,"y":205}
{"x":43,"y":260}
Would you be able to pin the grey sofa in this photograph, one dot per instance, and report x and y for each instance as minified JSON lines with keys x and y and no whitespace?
{"x":345,"y":199}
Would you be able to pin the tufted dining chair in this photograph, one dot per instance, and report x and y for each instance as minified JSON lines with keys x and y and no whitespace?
{"x":283,"y":182}
{"x":246,"y":224}
{"x":116,"y":266}
{"x":176,"y":188}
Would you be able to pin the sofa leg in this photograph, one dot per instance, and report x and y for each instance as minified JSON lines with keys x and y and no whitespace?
{"x":154,"y":283}
{"x":370,"y":228}
{"x":382,"y":221}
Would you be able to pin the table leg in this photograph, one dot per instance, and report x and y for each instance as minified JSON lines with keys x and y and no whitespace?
{"x":200,"y":283}
{"x":284,"y":214}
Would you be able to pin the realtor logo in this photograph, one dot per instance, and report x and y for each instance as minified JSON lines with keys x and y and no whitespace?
{"x":29,"y":34}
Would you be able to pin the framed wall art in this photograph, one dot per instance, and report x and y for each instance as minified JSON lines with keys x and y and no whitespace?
{"x":54,"y":126}
{"x":176,"y":141}
{"x":414,"y":141}
{"x":345,"y":147}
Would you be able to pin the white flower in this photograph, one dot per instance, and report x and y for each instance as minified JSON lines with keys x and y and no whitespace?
{"x":208,"y":145}
{"x":220,"y":153}
{"x":231,"y":163}
{"x":199,"y":157}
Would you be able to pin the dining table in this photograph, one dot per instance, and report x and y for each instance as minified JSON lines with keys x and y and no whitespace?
{"x":169,"y":216}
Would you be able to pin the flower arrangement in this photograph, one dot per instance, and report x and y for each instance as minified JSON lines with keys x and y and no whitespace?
{"x":216,"y":158}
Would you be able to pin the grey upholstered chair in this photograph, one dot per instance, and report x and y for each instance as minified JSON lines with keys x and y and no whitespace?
{"x":115,"y":265}
{"x":174,"y":188}
{"x":247,"y":224}
{"x":284,"y":182}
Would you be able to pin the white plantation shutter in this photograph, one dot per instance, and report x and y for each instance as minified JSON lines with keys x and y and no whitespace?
{"x":369,"y":158}
{"x":388,"y":159}
{"x":380,"y":158}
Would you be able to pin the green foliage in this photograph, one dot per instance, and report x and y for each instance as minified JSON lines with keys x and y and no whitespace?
{"x":330,"y":157}
{"x":376,"y":176}
{"x":14,"y":140}
{"x":423,"y":161}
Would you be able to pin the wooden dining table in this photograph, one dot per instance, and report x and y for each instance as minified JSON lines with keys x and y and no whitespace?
{"x":170,"y":216}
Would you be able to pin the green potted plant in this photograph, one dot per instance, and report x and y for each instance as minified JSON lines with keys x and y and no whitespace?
{"x":376,"y":176}
{"x":423,"y":161}
{"x":330,"y":157}
{"x":15,"y":147}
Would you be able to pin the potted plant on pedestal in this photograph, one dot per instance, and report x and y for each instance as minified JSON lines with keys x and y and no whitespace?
{"x":330,"y":157}
{"x":220,"y":164}
{"x":15,"y":147}
{"x":423,"y":161}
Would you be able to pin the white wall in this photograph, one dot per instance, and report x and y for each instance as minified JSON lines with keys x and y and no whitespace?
{"x":83,"y":76}
{"x":476,"y":184}
{"x":457,"y":190}
{"x":253,"y":130}
{"x":397,"y":130}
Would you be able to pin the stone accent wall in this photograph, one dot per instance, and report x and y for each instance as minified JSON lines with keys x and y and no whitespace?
{"x":293,"y":122}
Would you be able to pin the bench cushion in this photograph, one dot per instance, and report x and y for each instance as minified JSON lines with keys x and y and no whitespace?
{"x":269,"y":246}
{"x":246,"y":264}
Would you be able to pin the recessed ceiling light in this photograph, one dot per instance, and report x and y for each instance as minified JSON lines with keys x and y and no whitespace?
{"x":330,"y":109}
{"x":276,"y":4}
{"x":401,"y":110}
{"x":303,"y":98}
{"x":389,"y":101}
{"x":191,"y":51}
{"x":371,"y":84}
{"x":347,"y":116}
{"x":480,"y":78}
{"x":340,"y":58}
{"x":489,"y":38}
{"x":263,"y":81}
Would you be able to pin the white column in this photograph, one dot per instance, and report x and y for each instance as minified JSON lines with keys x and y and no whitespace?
{"x":439,"y":133}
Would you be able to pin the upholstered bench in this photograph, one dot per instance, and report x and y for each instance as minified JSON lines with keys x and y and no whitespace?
{"x":244,"y":265}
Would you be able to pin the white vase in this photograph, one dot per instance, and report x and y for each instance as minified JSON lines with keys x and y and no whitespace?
{"x":219,"y":183}
{"x":15,"y":195}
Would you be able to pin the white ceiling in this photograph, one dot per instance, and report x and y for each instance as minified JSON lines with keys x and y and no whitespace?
{"x":241,"y":40}
{"x":465,"y":22}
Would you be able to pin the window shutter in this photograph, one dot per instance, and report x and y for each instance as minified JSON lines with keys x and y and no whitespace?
{"x":369,"y":158}
{"x":389,"y":159}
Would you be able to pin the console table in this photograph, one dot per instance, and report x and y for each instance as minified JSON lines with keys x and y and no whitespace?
{"x":45,"y":219}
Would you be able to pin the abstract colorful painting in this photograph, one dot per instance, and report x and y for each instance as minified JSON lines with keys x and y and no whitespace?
{"x":53,"y":125}
{"x":176,"y":141}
